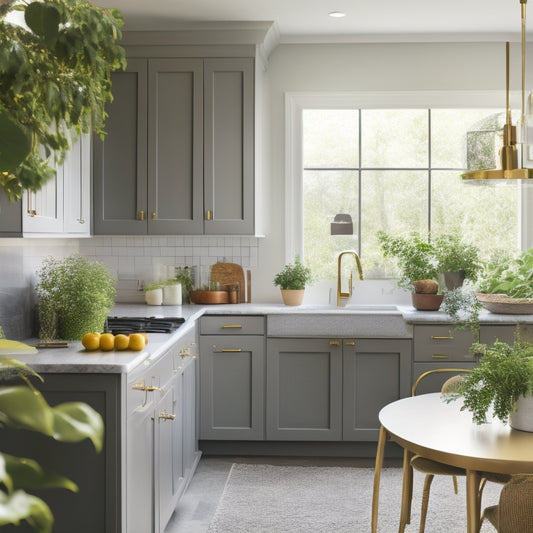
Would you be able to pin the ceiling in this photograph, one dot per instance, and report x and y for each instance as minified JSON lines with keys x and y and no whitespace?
{"x":365,"y":20}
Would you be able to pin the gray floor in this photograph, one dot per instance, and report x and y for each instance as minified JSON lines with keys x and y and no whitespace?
{"x":197,"y":506}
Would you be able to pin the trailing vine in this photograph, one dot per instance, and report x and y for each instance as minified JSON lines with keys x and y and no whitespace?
{"x":55,"y":80}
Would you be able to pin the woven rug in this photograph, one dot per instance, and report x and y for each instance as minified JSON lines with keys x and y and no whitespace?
{"x":308,"y":499}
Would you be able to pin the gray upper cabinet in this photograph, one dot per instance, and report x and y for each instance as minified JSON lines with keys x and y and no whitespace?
{"x":178,"y":156}
{"x":229,"y":146}
{"x":10,"y":217}
{"x":120,"y":163}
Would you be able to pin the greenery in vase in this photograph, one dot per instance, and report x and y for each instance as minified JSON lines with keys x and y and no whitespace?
{"x":463,"y":307}
{"x":79,"y":291}
{"x":453,"y":255}
{"x":55,"y":79}
{"x":505,"y":373}
{"x":22,"y":406}
{"x":415,"y":256}
{"x":511,"y":276}
{"x":293,"y":276}
{"x":185,"y":277}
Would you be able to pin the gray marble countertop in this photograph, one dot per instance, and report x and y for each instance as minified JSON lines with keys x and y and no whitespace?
{"x":305,"y":320}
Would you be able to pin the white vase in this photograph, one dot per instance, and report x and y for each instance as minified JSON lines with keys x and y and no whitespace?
{"x":522,"y":416}
{"x":172,"y":294}
{"x":154,"y":297}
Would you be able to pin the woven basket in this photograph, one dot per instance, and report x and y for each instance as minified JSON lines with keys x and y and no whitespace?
{"x":501,"y":303}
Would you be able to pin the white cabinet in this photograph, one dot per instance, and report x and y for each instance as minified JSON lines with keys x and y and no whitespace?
{"x":62,"y":206}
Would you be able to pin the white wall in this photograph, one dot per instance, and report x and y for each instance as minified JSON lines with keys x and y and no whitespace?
{"x":360,"y":67}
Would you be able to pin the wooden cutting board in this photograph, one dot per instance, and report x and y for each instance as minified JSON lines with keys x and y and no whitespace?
{"x":230,"y":273}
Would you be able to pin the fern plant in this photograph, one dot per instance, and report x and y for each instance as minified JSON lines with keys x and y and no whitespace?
{"x":293,"y":276}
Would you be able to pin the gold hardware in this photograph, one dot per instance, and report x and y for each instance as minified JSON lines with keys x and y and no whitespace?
{"x":232,"y":326}
{"x":154,"y":215}
{"x":149,"y":388}
{"x":334,"y":343}
{"x":184,"y":353}
{"x":209,"y":215}
{"x":140,"y":215}
{"x":232,"y":350}
{"x":439,"y":338}
{"x":166,"y":416}
{"x":80,"y":220}
{"x":349,"y":343}
{"x":341,"y":294}
{"x":438,"y":356}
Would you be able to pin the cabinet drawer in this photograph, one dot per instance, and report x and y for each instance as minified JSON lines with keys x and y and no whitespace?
{"x":232,"y":325}
{"x":442,"y":343}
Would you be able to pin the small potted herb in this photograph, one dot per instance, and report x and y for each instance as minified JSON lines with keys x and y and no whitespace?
{"x":153,"y":294}
{"x":501,"y":383}
{"x":79,"y":292}
{"x":418,"y":267}
{"x":292,"y":280}
{"x":457,"y":260}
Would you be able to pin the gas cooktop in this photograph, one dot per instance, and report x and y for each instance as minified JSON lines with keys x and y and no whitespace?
{"x":127,"y":325}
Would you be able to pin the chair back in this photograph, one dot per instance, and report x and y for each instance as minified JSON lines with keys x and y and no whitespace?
{"x":450,"y":384}
{"x":515,"y":509}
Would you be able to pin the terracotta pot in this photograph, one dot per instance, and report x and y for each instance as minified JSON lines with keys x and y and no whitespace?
{"x":426,"y":302}
{"x":292,"y":297}
{"x":522,"y":417}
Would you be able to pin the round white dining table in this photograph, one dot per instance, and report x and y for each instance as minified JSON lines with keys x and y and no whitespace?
{"x":429,"y":426}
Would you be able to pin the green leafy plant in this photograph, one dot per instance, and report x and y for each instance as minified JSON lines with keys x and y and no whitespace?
{"x":153,"y":286}
{"x":55,"y":79}
{"x":463,"y":307}
{"x":22,"y":406}
{"x":453,"y":255}
{"x":185,"y":277}
{"x":79,"y":291}
{"x":415,"y":257}
{"x":511,"y":276}
{"x":293,"y":276}
{"x":505,"y":373}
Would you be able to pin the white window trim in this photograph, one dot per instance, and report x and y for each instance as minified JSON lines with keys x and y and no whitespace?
{"x":296,"y":102}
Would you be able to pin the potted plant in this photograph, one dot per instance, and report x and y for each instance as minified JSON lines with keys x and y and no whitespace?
{"x":506,"y":283}
{"x":55,"y":79}
{"x":153,"y":294}
{"x":418,"y":267}
{"x":22,"y":406}
{"x":457,"y":261}
{"x":502,"y":384}
{"x":185,"y":277}
{"x":78,"y":291}
{"x":292,"y":280}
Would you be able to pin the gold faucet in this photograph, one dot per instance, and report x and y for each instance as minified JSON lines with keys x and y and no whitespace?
{"x":341,"y":294}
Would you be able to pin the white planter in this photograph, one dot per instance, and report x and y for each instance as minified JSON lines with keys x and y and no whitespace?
{"x":172,"y":294}
{"x":154,"y":297}
{"x":522,"y":417}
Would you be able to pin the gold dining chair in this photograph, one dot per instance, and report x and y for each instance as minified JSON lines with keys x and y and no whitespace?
{"x":432,"y":468}
{"x":514,"y":512}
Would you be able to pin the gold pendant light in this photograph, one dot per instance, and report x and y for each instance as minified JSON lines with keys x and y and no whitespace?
{"x":508,"y":152}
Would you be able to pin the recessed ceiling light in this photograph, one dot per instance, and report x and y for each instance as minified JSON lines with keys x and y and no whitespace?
{"x":337,"y":14}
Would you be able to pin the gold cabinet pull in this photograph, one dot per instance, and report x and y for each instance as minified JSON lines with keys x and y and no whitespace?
{"x":154,"y":215}
{"x":166,"y":416}
{"x":231,"y":350}
{"x":209,"y":215}
{"x":439,"y":356}
{"x":440,"y":338}
{"x":350,"y":343}
{"x":140,"y":215}
{"x":334,"y":343}
{"x":143,"y":387}
{"x":231,"y":326}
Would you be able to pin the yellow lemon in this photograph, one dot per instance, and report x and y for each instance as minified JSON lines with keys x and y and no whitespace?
{"x":91,"y":341}
{"x":137,"y":342}
{"x":121,"y":342}
{"x":145,"y":336}
{"x":107,"y":342}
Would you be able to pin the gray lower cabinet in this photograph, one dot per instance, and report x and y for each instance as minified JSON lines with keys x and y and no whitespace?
{"x":332,"y":389}
{"x":10,"y":216}
{"x":376,"y":372}
{"x":441,"y":346}
{"x":232,"y":375}
{"x":178,"y":155}
{"x":304,"y":389}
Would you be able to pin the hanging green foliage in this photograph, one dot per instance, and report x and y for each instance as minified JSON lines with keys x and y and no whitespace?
{"x":55,"y":80}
